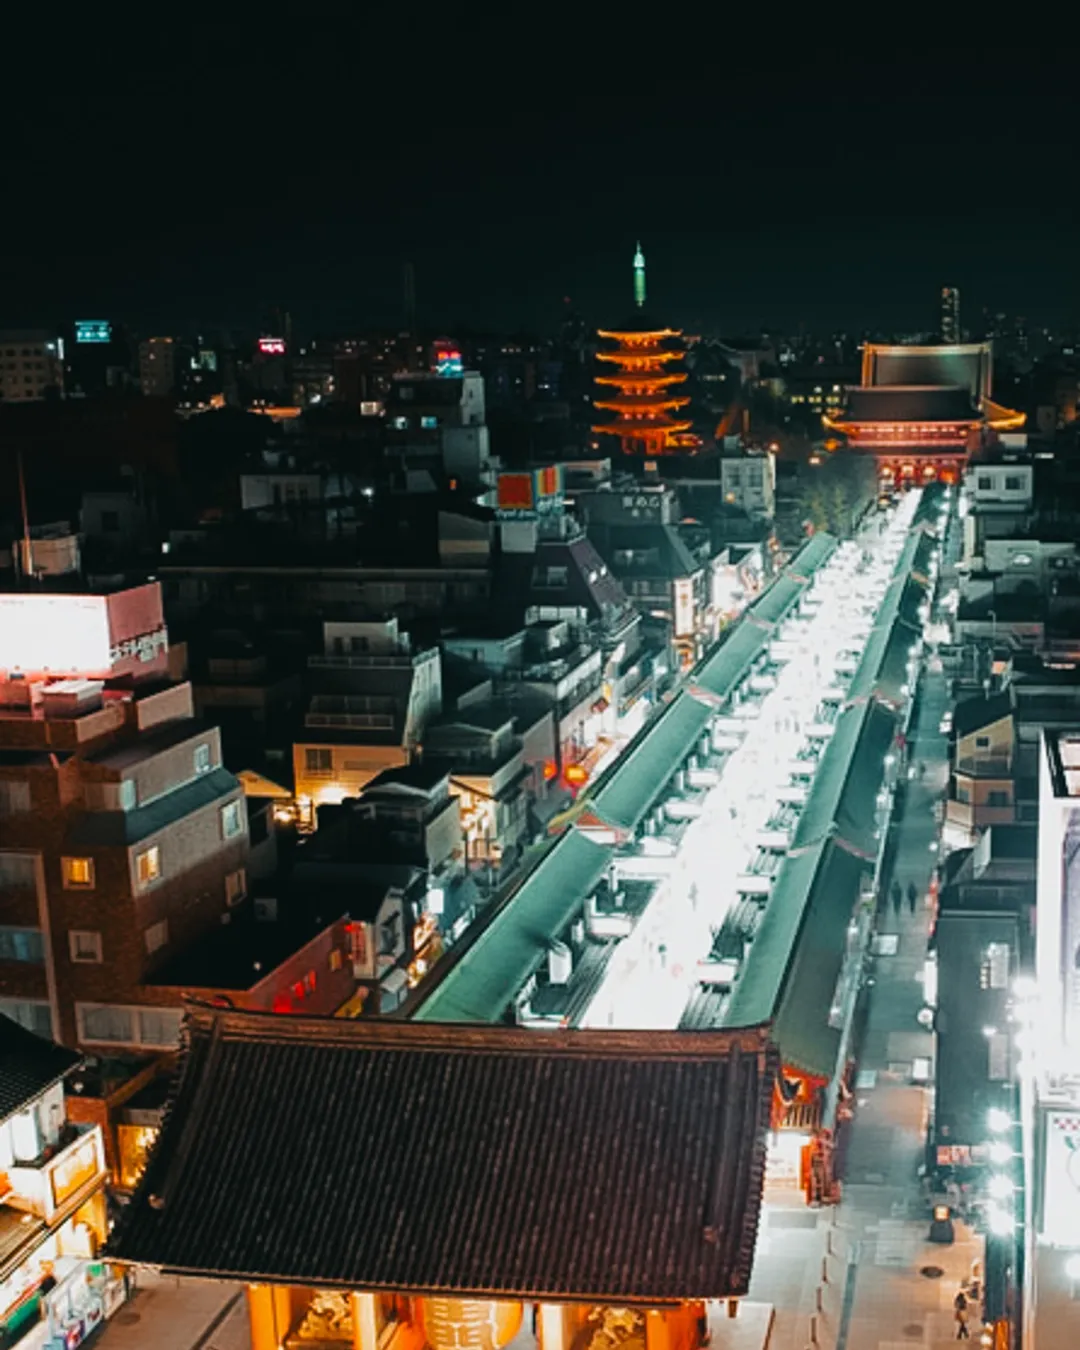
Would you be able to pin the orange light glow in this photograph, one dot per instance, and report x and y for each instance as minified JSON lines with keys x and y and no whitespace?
{"x":576,"y":775}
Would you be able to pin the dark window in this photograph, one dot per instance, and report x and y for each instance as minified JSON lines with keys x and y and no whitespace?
{"x":997,"y":798}
{"x":1012,"y":484}
{"x":110,"y":521}
{"x":982,"y":742}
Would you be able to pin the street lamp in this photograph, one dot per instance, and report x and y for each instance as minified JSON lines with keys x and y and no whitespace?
{"x":998,"y":1120}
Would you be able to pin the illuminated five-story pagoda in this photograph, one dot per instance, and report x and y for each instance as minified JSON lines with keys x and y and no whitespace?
{"x":645,"y":405}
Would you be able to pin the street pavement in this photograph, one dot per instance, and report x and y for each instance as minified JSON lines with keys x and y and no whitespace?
{"x":873,"y":1247}
{"x":167,"y":1313}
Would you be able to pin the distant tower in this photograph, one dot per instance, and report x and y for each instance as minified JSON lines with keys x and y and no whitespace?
{"x":639,"y":277}
{"x":950,"y":314}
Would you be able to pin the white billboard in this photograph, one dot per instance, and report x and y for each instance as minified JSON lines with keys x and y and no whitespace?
{"x":55,"y":634}
{"x":1061,"y":1179}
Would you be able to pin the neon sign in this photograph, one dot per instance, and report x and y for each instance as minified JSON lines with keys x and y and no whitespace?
{"x":272,"y":346}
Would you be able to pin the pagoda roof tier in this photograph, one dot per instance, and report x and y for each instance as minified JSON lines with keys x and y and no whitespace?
{"x":640,"y":404}
{"x":483,"y":1161}
{"x":629,"y":378}
{"x":640,"y":356}
{"x":629,"y":426}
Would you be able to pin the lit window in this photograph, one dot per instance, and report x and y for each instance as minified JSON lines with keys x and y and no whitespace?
{"x":202,"y":758}
{"x":318,"y":761}
{"x":335,"y":959}
{"x":429,"y":423}
{"x":78,"y":873}
{"x":148,"y":865}
{"x":232,"y":822}
{"x":156,"y":935}
{"x":85,"y":947}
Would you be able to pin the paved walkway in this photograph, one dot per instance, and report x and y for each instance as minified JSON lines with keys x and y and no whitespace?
{"x":179,"y":1314}
{"x":851,"y":1278}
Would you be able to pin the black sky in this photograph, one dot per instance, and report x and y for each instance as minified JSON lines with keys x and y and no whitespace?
{"x":202,"y":176}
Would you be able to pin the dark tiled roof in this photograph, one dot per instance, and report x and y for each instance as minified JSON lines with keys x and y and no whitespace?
{"x":910,"y":403}
{"x":28,"y":1065}
{"x":120,"y":828}
{"x":492,"y":1161}
{"x":981,"y":711}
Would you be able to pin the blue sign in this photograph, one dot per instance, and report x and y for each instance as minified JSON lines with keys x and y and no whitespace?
{"x":93,"y":330}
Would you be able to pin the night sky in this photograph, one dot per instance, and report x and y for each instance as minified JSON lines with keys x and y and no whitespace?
{"x":203,"y":177}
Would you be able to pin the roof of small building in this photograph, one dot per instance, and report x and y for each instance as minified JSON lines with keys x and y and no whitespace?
{"x":492,"y":1161}
{"x":972,"y":714}
{"x":910,"y":403}
{"x":29,"y":1065}
{"x":421,"y":775}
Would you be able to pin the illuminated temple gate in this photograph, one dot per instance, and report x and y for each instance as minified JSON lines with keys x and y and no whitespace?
{"x":922,"y":411}
{"x":395,"y":1185}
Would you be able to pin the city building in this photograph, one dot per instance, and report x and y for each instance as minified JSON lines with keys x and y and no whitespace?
{"x":122,"y":836}
{"x":372,"y":695}
{"x":982,"y":786}
{"x":157,"y":367}
{"x":1038,"y":1210}
{"x":31,"y":365}
{"x":922,"y":411}
{"x":950,"y":316}
{"x":436,"y":426}
{"x":635,"y":530}
{"x":471,"y":1161}
{"x":642,"y":365}
{"x":489,"y":775}
{"x":748,"y":482}
{"x":54,"y":1288}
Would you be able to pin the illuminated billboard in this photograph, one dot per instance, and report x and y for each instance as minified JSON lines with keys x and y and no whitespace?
{"x":272,"y":346}
{"x":448,"y":362}
{"x":93,"y":330}
{"x":54,"y":634}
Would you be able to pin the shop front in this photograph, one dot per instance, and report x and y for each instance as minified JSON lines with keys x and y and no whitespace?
{"x":60,"y":1293}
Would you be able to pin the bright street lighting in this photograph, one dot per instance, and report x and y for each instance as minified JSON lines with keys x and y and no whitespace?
{"x":1001,"y":1224}
{"x":999,"y":1152}
{"x":998,"y":1120}
{"x":1000,"y":1187}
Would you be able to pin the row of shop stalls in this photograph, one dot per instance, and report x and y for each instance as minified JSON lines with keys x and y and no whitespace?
{"x":722,"y":872}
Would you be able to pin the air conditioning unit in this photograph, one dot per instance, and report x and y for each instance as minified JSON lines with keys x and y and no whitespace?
{"x":266,"y":908}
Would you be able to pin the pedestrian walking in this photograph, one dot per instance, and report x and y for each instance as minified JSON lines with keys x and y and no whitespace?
{"x":912,"y":896}
{"x":960,"y":1312}
{"x":897,"y":897}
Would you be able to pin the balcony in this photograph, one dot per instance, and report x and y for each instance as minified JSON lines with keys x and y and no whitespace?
{"x":985,"y":766}
{"x":62,"y":1176}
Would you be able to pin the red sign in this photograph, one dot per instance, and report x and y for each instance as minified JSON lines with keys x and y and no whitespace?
{"x":515,"y":491}
{"x":271,"y":346}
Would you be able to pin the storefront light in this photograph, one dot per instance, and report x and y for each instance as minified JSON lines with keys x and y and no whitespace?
{"x":997,"y":1120}
{"x":1000,"y":1187}
{"x":999,"y":1152}
{"x":1000,"y":1223}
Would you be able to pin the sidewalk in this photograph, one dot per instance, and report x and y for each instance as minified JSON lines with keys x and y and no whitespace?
{"x":873,"y":1248}
{"x":167,"y":1313}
